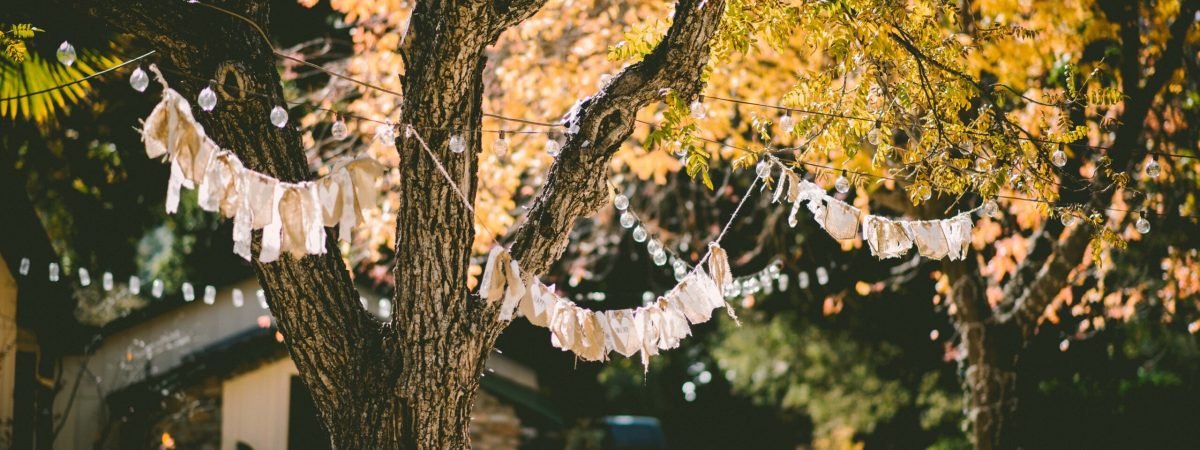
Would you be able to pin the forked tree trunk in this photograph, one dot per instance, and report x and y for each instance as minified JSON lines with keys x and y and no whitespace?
{"x":409,"y":383}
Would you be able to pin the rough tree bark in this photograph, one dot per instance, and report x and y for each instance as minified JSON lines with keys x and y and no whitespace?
{"x":410,"y":383}
{"x":993,"y":338}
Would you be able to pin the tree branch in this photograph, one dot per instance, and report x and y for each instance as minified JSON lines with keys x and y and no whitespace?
{"x":576,"y":185}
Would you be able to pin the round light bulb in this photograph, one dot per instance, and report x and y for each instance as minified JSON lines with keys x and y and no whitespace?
{"x":1153,"y":169}
{"x":456,"y":144}
{"x":660,"y":258}
{"x":139,"y":80}
{"x":1142,"y":225}
{"x":207,"y":99}
{"x":842,"y":184}
{"x":1068,"y":219}
{"x":339,"y":129}
{"x":627,"y":219}
{"x":763,"y":169}
{"x":654,"y":246}
{"x":66,"y":53}
{"x":386,"y":133}
{"x":1059,"y":158}
{"x":873,"y":136}
{"x":787,"y":124}
{"x":552,"y":147}
{"x":639,"y":234}
{"x":697,"y":110}
{"x":500,"y":146}
{"x":621,"y":202}
{"x":279,"y":117}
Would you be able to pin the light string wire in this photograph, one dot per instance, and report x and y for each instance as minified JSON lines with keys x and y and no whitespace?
{"x":870,"y":175}
{"x":81,"y":80}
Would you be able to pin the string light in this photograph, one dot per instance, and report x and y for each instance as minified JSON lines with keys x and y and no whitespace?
{"x":66,"y":54}
{"x":621,"y":202}
{"x":238,"y":297}
{"x":188,"y":291}
{"x":1142,"y":225}
{"x":763,"y":169}
{"x":210,"y":295}
{"x":106,"y":281}
{"x":138,"y":80}
{"x":697,"y":110}
{"x":24,"y":268}
{"x":339,"y":130}
{"x":53,"y":271}
{"x":842,"y":184}
{"x":207,"y":99}
{"x":1152,"y":168}
{"x":85,"y":279}
{"x":135,"y":285}
{"x":553,"y":147}
{"x":1059,"y":157}
{"x":500,"y":146}
{"x":279,"y":117}
{"x":386,"y":133}
{"x":786,"y":123}
{"x":456,"y":144}
{"x":156,"y":288}
{"x":639,"y":234}
{"x":990,"y":209}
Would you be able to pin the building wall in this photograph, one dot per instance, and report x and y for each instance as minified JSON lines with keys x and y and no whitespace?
{"x":255,"y":406}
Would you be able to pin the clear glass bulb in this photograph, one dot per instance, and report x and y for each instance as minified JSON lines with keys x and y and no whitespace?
{"x":500,"y":146}
{"x":456,"y":144}
{"x":1153,"y":169}
{"x":842,"y":184}
{"x":552,"y":147}
{"x":339,"y":130}
{"x":54,"y":272}
{"x":138,"y":80}
{"x":210,"y":295}
{"x":928,"y":194}
{"x":621,"y":202}
{"x":680,"y":273}
{"x":279,"y":117}
{"x":787,"y":124}
{"x":639,"y":234}
{"x":1067,"y":219}
{"x":1142,"y":225}
{"x":627,"y":219}
{"x":66,"y":53}
{"x":733,"y":289}
{"x":107,"y":281}
{"x":207,"y":99}
{"x":660,"y":258}
{"x":135,"y":285}
{"x":1059,"y":158}
{"x":85,"y":278}
{"x":697,"y":110}
{"x":24,"y":270}
{"x":822,"y":276}
{"x":156,"y":288}
{"x":873,"y":136}
{"x":189,"y":292}
{"x":386,"y":133}
{"x":750,"y":285}
{"x":763,"y":169}
{"x":239,"y":298}
{"x":654,"y":246}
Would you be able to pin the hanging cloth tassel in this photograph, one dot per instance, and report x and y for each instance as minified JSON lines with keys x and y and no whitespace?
{"x":514,"y":292}
{"x":314,"y":221}
{"x":491,"y":286}
{"x":718,"y":264}
{"x":273,"y":232}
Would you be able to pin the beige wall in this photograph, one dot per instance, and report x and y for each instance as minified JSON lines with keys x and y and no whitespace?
{"x":8,"y":346}
{"x":254,"y":407}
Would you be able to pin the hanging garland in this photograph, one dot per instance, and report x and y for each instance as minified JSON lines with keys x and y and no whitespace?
{"x":293,"y":216}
